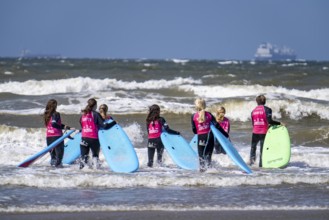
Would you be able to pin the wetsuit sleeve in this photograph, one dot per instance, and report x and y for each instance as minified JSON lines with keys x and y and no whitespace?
{"x":193,"y":125}
{"x":99,"y":121}
{"x":80,"y":124}
{"x":268,"y":113}
{"x":217,"y":125}
{"x":56,"y":118}
{"x":109,"y":125}
{"x":166,"y":127}
{"x":147,"y":128}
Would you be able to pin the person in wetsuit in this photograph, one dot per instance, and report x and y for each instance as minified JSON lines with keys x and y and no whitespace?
{"x":261,"y":118}
{"x":201,"y":121}
{"x":224,"y":122}
{"x":154,"y":125}
{"x":91,"y":121}
{"x":54,"y":127}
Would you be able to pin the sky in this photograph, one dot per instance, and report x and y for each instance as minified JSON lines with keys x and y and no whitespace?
{"x":163,"y":29}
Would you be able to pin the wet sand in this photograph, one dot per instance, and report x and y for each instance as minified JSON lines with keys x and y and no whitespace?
{"x":173,"y":215}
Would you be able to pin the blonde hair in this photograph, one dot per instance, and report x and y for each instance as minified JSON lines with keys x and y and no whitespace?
{"x":218,"y":113}
{"x":200,"y":106}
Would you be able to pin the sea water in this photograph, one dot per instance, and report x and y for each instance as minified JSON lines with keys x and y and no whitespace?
{"x":297,"y":92}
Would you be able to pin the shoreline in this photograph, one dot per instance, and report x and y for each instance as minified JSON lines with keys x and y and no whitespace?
{"x":176,"y":215}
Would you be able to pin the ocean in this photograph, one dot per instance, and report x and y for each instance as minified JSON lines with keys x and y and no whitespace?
{"x":297,"y":92}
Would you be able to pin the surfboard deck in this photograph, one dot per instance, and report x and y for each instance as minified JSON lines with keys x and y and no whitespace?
{"x":276,"y":150}
{"x":230,"y":149}
{"x":29,"y":161}
{"x":72,"y":149}
{"x":194,"y":143}
{"x":180,"y":151}
{"x":118,"y":150}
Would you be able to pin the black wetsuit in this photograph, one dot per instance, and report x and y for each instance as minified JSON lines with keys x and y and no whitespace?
{"x":218,"y":147}
{"x":156,"y":143}
{"x":260,"y":138}
{"x":93,"y":144}
{"x":57,"y":153}
{"x":206,"y":143}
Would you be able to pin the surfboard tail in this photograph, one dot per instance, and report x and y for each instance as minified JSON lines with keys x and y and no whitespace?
{"x":29,"y":161}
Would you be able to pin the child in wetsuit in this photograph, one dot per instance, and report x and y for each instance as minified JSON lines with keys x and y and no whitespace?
{"x":91,"y":121}
{"x":201,"y":121}
{"x":261,"y":118}
{"x":224,"y":122}
{"x":53,"y":123}
{"x":154,"y":125}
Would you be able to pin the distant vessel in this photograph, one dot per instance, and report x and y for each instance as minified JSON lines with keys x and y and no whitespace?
{"x":267,"y":51}
{"x":27,"y":54}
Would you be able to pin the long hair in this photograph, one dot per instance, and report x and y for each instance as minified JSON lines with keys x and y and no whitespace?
{"x":103,"y":110}
{"x":200,"y":106}
{"x":50,"y":109}
{"x":91,"y":104}
{"x":220,"y":113}
{"x":154,"y":114}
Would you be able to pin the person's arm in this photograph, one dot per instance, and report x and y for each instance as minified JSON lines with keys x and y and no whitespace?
{"x":56,"y":118}
{"x":147,"y":127}
{"x":99,"y":121}
{"x":268,"y":113}
{"x":193,"y":125}
{"x":166,"y":127}
{"x":229,"y":126}
{"x":217,"y":125}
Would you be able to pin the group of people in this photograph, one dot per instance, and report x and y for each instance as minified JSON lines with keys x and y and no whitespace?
{"x":91,"y":121}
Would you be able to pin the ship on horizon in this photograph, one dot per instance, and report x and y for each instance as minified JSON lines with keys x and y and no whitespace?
{"x":27,"y":54}
{"x":267,"y":51}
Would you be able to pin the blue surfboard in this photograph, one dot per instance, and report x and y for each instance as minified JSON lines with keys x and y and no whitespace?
{"x":194,"y":143}
{"x":118,"y":150}
{"x":38,"y":155}
{"x":72,"y":149}
{"x":180,"y":151}
{"x":230,"y":150}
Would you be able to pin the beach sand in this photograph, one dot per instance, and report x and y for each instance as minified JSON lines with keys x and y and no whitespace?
{"x":174,"y":215}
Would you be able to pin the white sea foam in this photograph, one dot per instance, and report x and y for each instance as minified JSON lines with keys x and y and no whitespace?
{"x":228,"y":62}
{"x":135,"y":97}
{"x":154,"y":207}
{"x":87,"y":84}
{"x":233,"y":91}
{"x":180,"y":61}
{"x":19,"y":143}
{"x":8,"y":73}
{"x":238,"y":110}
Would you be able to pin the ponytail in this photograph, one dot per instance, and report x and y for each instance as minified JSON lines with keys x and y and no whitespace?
{"x":91,"y":104}
{"x":103,"y":110}
{"x":200,"y":106}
